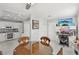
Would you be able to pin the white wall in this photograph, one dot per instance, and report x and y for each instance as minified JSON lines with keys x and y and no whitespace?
{"x":52,"y":30}
{"x":43,"y":27}
{"x":27,"y":30}
{"x":78,"y":23}
{"x":3,"y":24}
{"x":36,"y":34}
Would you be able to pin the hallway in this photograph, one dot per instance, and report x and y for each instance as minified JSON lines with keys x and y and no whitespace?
{"x":66,"y":50}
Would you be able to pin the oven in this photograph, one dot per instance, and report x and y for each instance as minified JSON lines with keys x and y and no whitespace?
{"x":9,"y":35}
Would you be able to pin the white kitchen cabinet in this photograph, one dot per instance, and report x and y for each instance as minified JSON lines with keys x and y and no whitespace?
{"x":2,"y":37}
{"x":4,"y":24}
{"x":16,"y":35}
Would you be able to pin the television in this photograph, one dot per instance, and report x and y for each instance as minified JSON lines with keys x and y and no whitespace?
{"x":66,"y":22}
{"x":66,"y":25}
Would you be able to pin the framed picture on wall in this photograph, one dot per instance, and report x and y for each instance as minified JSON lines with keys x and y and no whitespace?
{"x":35,"y":24}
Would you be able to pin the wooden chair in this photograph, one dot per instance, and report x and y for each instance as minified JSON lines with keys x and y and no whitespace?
{"x":23,"y":39}
{"x":0,"y":52}
{"x":35,"y":48}
{"x":40,"y":49}
{"x":23,"y":48}
{"x":60,"y":52}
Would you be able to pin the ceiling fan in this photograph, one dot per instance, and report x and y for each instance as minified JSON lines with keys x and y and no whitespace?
{"x":29,"y":5}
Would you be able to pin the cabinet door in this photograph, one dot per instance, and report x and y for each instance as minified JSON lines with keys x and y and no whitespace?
{"x":2,"y":37}
{"x":16,"y":35}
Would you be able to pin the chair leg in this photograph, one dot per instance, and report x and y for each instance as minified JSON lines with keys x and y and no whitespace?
{"x":76,"y":52}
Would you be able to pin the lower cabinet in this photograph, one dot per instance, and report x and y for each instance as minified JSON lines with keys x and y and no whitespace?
{"x":2,"y":37}
{"x":9,"y":36}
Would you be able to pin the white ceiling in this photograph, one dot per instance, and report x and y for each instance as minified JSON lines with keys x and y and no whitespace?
{"x":14,"y":11}
{"x":55,"y":10}
{"x":18,"y":12}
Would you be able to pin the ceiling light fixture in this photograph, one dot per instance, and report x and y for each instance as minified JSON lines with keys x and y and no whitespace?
{"x":29,"y":5}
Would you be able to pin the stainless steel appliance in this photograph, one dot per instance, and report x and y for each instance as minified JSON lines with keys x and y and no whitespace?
{"x":9,"y":35}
